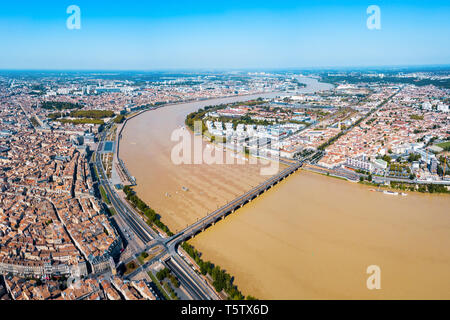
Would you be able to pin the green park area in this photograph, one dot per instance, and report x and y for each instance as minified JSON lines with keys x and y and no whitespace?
{"x":143,"y":258}
{"x":445,"y":145}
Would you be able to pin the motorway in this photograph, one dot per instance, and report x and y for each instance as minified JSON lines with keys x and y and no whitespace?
{"x":192,"y":287}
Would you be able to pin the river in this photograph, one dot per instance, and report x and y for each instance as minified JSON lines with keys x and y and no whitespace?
{"x":310,"y":237}
{"x":146,"y":148}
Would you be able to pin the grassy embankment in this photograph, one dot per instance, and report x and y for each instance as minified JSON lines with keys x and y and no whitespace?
{"x":152,"y":217}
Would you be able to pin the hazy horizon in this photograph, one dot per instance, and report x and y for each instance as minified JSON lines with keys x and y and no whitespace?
{"x":243,"y":69}
{"x":232,"y":35}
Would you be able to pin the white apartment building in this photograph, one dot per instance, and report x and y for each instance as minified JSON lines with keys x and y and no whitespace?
{"x":360,"y":163}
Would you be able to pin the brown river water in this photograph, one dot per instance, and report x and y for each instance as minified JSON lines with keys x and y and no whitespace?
{"x":310,"y":237}
{"x":183,"y":193}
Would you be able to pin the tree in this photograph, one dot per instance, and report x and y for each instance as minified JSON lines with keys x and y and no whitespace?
{"x":94,"y":114}
{"x":58,"y":105}
{"x":387,"y":158}
{"x":162,"y":274}
{"x":119,"y":119}
{"x":414,"y":157}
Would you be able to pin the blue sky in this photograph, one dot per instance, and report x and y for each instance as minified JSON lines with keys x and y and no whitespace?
{"x":148,"y":35}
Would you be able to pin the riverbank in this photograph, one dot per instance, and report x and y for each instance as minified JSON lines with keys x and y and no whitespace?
{"x":402,"y":186}
{"x":398,"y":186}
